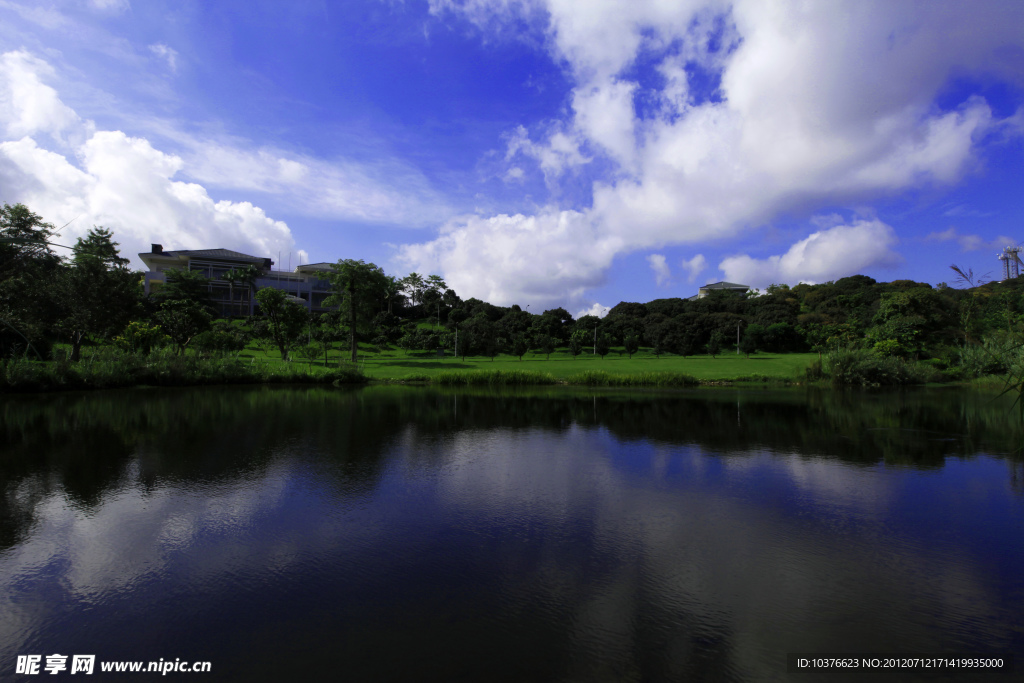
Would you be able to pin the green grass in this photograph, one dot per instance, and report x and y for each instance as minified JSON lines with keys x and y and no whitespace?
{"x":643,"y":369}
{"x":105,"y":367}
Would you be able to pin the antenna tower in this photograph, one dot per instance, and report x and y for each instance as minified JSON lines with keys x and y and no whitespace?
{"x":1011,"y":262}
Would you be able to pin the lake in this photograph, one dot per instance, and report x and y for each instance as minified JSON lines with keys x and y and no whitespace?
{"x":393,"y":533}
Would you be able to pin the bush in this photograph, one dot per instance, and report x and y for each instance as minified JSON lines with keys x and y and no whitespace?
{"x":997,"y":355}
{"x":860,"y":367}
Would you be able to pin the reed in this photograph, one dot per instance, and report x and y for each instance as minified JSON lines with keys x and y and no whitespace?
{"x":492,"y":378}
{"x":600,"y":378}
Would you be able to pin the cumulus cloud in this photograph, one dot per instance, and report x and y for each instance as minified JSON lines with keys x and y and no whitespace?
{"x":662,"y":273}
{"x":546,"y":259}
{"x":110,"y":178}
{"x":596,"y":309}
{"x":765,"y":109}
{"x":559,"y":153}
{"x":824,"y":255}
{"x":27,"y":105}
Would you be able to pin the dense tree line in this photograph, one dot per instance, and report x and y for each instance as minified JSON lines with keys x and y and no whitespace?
{"x":93,"y":295}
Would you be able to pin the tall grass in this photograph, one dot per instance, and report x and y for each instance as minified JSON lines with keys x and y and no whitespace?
{"x":109,"y":368}
{"x":600,"y":378}
{"x":492,"y":377}
{"x":592,"y":378}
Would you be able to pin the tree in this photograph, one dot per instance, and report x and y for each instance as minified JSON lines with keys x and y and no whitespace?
{"x":184,"y":285}
{"x":27,"y":267}
{"x":603,"y":345}
{"x":632,"y":344}
{"x":412,"y":285}
{"x":325,"y":331}
{"x":96,"y":293}
{"x":546,"y":345}
{"x":577,"y":340}
{"x":748,"y":344}
{"x":243,"y":276}
{"x":286,"y":321}
{"x":715,"y":343}
{"x":520,"y":346}
{"x":354,"y":284}
{"x":391,"y":288}
{"x":182,"y":320}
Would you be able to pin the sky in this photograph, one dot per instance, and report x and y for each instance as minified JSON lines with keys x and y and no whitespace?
{"x":535,"y":152}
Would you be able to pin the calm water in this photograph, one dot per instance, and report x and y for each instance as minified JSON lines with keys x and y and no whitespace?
{"x":406,"y":534}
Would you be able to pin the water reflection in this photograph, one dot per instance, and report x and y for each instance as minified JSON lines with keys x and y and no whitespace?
{"x":392,"y":533}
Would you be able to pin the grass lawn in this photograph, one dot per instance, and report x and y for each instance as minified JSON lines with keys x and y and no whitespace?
{"x":396,"y":365}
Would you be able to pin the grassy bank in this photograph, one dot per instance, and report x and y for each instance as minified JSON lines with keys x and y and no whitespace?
{"x":105,"y":367}
{"x":108,"y":368}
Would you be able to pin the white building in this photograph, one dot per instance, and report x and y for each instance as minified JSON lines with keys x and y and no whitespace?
{"x":308,"y":282}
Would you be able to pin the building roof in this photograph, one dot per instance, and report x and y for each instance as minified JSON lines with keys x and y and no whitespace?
{"x":725,"y":285}
{"x":215,"y":254}
{"x":315,"y":266}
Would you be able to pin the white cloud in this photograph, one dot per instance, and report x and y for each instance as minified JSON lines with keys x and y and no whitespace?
{"x":818,"y":105}
{"x":596,"y":309}
{"x":561,"y":152}
{"x":964,"y":211}
{"x":545,"y":260}
{"x":27,"y":105}
{"x":112,"y":179}
{"x":385,"y":191}
{"x":695,"y":266}
{"x":824,"y":255}
{"x":662,"y":273}
{"x":168,"y":54}
{"x":111,"y":5}
{"x":970,"y":242}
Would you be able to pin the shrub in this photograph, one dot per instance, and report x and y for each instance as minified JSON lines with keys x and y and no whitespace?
{"x":863,"y":368}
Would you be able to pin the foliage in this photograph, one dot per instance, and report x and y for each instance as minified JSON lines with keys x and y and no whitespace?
{"x":182,"y":320}
{"x":520,"y":346}
{"x":108,"y":368}
{"x":286,"y":321}
{"x":27,"y":268}
{"x":864,"y":368}
{"x":546,"y":345}
{"x":224,"y":338}
{"x":715,"y":342}
{"x":96,"y":294}
{"x":184,"y":285}
{"x":141,"y":338}
{"x":356,"y":286}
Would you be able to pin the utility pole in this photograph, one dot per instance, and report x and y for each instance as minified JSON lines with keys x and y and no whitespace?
{"x":737,"y":338}
{"x":595,"y":340}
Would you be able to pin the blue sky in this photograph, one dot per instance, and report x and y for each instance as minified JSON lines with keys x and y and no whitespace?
{"x":542,"y":152}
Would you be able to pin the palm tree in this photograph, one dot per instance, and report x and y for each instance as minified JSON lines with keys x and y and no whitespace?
{"x":246,"y":276}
